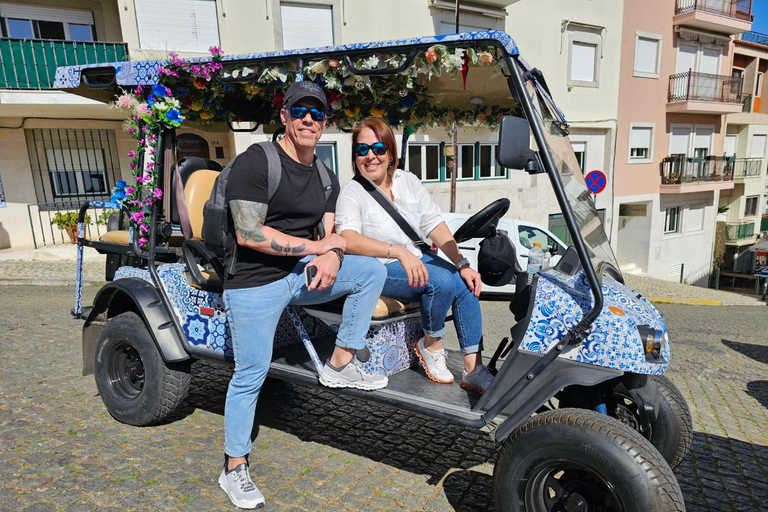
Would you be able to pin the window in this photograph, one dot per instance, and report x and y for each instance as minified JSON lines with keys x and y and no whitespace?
{"x":560,"y":230}
{"x":77,"y":172}
{"x":640,"y":143}
{"x":528,"y":235}
{"x":306,"y":26}
{"x":466,"y":162}
{"x":580,"y":150}
{"x":647,"y":55}
{"x":424,"y":161}
{"x":757,"y":150}
{"x":672,"y":220}
{"x":195,"y":26}
{"x":750,"y":208}
{"x":694,"y":218}
{"x":759,"y":85}
{"x":42,"y":22}
{"x":584,"y":53}
{"x":326,"y":152}
{"x":489,"y":168}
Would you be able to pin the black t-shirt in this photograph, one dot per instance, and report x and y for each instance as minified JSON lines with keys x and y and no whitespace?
{"x":296,"y":209}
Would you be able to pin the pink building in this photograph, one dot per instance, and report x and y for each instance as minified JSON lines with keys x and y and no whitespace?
{"x":675,"y":89}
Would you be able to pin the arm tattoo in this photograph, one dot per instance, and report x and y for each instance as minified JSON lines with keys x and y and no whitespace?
{"x":249,"y":218}
{"x":287,"y":249}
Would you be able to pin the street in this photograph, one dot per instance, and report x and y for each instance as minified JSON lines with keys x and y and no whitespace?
{"x":60,"y":449}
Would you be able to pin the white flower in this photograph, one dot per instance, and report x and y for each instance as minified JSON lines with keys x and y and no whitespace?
{"x":319,"y":67}
{"x":371,"y":62}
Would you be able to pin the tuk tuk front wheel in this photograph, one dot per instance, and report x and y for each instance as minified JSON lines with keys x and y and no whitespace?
{"x":577,"y":460}
{"x":135,"y":384}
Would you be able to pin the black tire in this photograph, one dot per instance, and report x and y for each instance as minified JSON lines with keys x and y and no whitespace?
{"x":135,"y":384}
{"x":572,"y":459}
{"x":672,"y":431}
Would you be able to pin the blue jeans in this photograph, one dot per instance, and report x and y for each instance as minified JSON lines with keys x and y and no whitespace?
{"x":253,"y":314}
{"x":445,"y":289}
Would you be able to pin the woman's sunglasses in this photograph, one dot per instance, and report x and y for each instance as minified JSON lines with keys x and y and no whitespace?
{"x":298,"y":112}
{"x":378,"y":148}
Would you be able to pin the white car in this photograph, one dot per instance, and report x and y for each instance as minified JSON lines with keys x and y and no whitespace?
{"x":521,"y":233}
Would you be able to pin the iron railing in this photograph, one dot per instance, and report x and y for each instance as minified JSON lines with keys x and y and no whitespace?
{"x":739,"y":230}
{"x":764,"y":223}
{"x":45,"y":231}
{"x":754,"y":37}
{"x":737,"y":9}
{"x":31,"y":64}
{"x":683,"y":170}
{"x":693,"y":86}
{"x":747,"y":168}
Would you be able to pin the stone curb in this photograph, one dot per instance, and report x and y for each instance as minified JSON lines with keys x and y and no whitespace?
{"x":690,"y":302}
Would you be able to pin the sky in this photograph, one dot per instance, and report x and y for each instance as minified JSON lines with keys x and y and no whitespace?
{"x":760,"y":10}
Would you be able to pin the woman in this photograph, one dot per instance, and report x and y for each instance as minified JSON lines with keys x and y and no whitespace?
{"x":413,"y":275}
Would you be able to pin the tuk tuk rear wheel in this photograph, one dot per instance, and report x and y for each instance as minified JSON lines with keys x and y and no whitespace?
{"x":135,"y":384}
{"x":577,"y":460}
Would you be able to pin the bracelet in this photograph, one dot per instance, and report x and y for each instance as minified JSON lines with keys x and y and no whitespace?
{"x":389,"y":250}
{"x":339,"y":254}
{"x":464,"y":261}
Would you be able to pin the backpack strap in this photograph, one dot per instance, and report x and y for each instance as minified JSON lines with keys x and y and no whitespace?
{"x":325,"y":179}
{"x":274,"y":168}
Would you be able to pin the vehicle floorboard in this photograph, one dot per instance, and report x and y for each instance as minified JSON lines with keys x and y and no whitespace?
{"x":409,"y":389}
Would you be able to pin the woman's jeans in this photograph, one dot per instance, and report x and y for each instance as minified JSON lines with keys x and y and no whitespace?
{"x":445,"y":289}
{"x":253,"y":314}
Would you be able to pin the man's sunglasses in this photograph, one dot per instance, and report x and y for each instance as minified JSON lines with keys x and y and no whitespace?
{"x":379,"y":149}
{"x":298,"y":112}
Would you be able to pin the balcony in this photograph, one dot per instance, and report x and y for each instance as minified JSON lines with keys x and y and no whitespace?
{"x":721,"y":16}
{"x":764,"y":223}
{"x":746,"y":169}
{"x":703,"y":93}
{"x":31,"y":64}
{"x":739,"y":233}
{"x":685,"y":174}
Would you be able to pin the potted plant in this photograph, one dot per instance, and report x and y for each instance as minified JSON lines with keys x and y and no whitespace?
{"x":67,"y":221}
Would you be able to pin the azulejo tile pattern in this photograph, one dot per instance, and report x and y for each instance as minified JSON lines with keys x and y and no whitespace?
{"x":560,"y":303}
{"x":145,"y":71}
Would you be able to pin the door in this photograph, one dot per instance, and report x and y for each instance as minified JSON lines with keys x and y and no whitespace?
{"x":702,"y":142}
{"x":708,"y":86}
{"x":686,"y":61}
{"x":678,"y":147}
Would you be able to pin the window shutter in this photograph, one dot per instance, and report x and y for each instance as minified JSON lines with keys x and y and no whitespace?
{"x":694,"y":218}
{"x":646,"y":52}
{"x":758,"y":146}
{"x":702,"y":139}
{"x":583,"y":62}
{"x":640,"y":137}
{"x":177,"y":25}
{"x":729,"y":147}
{"x":678,"y":143}
{"x":579,"y":147}
{"x":306,"y":26}
{"x":43,"y":13}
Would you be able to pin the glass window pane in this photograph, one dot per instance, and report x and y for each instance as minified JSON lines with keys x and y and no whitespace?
{"x":325,"y":153}
{"x":21,"y":29}
{"x":414,"y":160}
{"x":51,"y":29}
{"x":486,"y":162}
{"x":433,"y":162}
{"x":467,"y":170}
{"x":80,"y":32}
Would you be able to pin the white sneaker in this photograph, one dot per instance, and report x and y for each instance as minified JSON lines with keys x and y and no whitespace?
{"x":240,"y":488}
{"x":352,"y":375}
{"x":478,"y":380}
{"x":433,"y":363}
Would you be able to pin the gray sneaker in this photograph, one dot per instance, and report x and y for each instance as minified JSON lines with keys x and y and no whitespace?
{"x":352,"y":376}
{"x":239,"y":487}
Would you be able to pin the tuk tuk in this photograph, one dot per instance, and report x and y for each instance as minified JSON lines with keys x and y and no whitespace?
{"x":580,"y":410}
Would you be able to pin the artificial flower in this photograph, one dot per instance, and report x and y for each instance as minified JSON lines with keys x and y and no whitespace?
{"x":431,"y":55}
{"x":205,"y":115}
{"x":375,"y":112}
{"x":334,"y":63}
{"x":174,"y":116}
{"x":485,"y":58}
{"x":160,"y":91}
{"x":196,"y":106}
{"x":125,"y":102}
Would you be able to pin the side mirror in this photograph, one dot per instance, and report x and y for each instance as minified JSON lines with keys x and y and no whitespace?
{"x":554,"y":249}
{"x":514,"y":149}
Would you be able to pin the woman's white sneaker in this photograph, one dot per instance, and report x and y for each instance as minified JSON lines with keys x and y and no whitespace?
{"x":433,"y":363}
{"x":478,"y":380}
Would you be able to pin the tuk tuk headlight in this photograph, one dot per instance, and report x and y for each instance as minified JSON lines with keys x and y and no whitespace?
{"x":652,"y":340}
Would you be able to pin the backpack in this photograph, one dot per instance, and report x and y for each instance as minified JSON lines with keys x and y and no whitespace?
{"x":216,"y":233}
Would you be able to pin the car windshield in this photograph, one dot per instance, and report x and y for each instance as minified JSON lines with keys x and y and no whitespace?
{"x":579,"y":198}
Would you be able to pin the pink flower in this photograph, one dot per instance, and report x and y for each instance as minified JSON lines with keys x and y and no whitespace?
{"x":139,"y":89}
{"x":158,"y":194}
{"x":131,"y":130}
{"x":150,"y":166}
{"x":143,"y":241}
{"x":137,"y":216}
{"x":132,"y":153}
{"x":143,"y":228}
{"x":129,"y":190}
{"x":152,"y":150}
{"x":125,"y":102}
{"x":132,"y":165}
{"x":142,"y":109}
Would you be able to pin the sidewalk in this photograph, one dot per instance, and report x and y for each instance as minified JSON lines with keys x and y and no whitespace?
{"x":56,"y":266}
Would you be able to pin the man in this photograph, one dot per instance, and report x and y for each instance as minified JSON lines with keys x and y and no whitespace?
{"x":274,"y":244}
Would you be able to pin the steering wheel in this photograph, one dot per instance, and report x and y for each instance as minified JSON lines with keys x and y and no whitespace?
{"x":479,"y":225}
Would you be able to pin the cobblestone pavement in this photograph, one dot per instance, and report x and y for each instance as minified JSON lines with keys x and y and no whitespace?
{"x":656,"y":289}
{"x":315,"y":451}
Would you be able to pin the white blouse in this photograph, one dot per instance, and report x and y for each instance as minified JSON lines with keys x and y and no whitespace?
{"x":358,"y":211}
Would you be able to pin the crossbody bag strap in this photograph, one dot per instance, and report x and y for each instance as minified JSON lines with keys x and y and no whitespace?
{"x":389,"y":207}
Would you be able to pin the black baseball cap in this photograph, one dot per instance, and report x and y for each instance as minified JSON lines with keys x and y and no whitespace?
{"x":496,"y":260}
{"x":303,"y":89}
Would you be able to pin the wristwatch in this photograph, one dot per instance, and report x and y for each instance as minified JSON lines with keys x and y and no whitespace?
{"x":339,"y":253}
{"x":464,"y":261}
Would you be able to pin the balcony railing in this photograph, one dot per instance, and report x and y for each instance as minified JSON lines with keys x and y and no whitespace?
{"x":692,"y":86}
{"x":739,"y":230}
{"x":754,"y":37}
{"x":737,"y":9}
{"x":747,"y":168}
{"x":684,"y":170}
{"x":31,"y":64}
